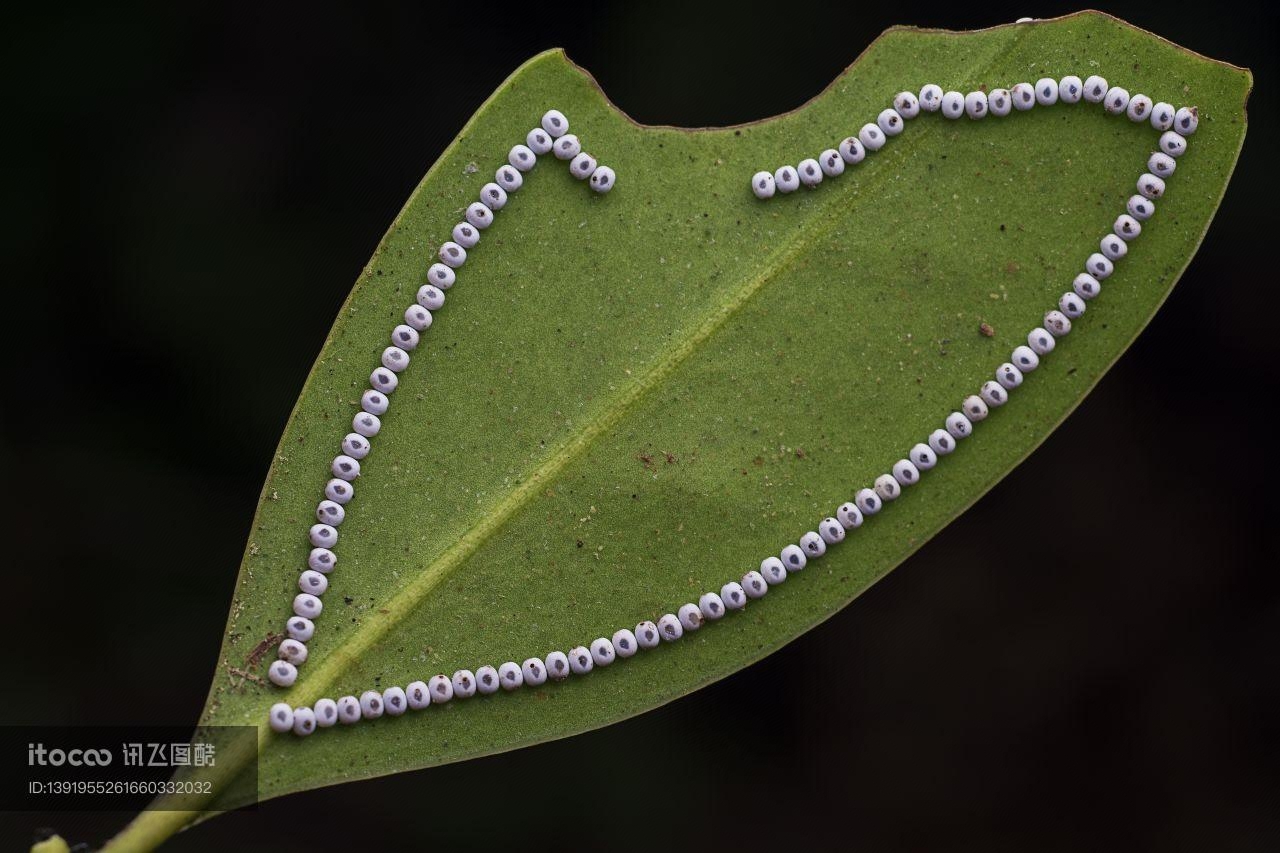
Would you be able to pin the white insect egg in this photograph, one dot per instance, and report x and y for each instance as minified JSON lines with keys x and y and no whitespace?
{"x":355,"y":445}
{"x":786,"y":179}
{"x":647,"y":634}
{"x":330,"y":512}
{"x":384,"y":380}
{"x":1086,"y":286}
{"x":905,"y":472}
{"x":322,"y":559}
{"x":930,"y":97}
{"x":952,"y":105}
{"x":443,"y":276}
{"x":406,"y":337}
{"x":487,"y":680}
{"x":1173,"y":143}
{"x":794,"y":558}
{"x":1000,"y":102}
{"x":534,"y":672}
{"x":345,"y":468}
{"x":602,"y":651}
{"x":557,"y":664}
{"x":366,"y":426}
{"x":624,"y":643}
{"x":852,"y":151}
{"x":326,"y":712}
{"x":1095,"y":89}
{"x":567,"y":147}
{"x":1149,"y":186}
{"x":280,"y":717}
{"x":348,"y":710}
{"x":890,"y":122}
{"x":923,"y":457}
{"x":418,"y":317}
{"x":538,"y":140}
{"x":1162,"y":116}
{"x":1117,"y":100}
{"x":371,"y":705}
{"x":304,"y":721}
{"x":763,"y":185}
{"x":282,"y":673}
{"x":849,"y":516}
{"x":308,"y":605}
{"x":522,"y":158}
{"x":887,"y":488}
{"x":554,"y":123}
{"x":1187,"y":120}
{"x":958,"y":425}
{"x":871,"y":137}
{"x":464,"y":684}
{"x":772,"y":570}
{"x":669,"y":628}
{"x":975,"y":105}
{"x":690,"y":616}
{"x":831,"y":162}
{"x":510,"y":676}
{"x":509,"y":178}
{"x":418,"y":695}
{"x":710,"y":605}
{"x":440,"y":687}
{"x":1161,"y":164}
{"x":867,"y":501}
{"x":1070,"y":89}
{"x":941,"y":442}
{"x":603,"y":179}
{"x":974,"y":408}
{"x":323,"y":535}
{"x":1057,"y":323}
{"x":479,"y":216}
{"x":373,"y":403}
{"x":466,"y":235}
{"x":1126,"y":227}
{"x":394,"y":701}
{"x":732,"y":594}
{"x":1009,"y":376}
{"x":810,"y":172}
{"x":1071,"y":305}
{"x":1113,"y":247}
{"x":339,"y":491}
{"x":907,"y":105}
{"x":1099,"y":266}
{"x":451,"y":255}
{"x":754,"y":585}
{"x":313,"y":582}
{"x":1025,"y":359}
{"x":393,"y":358}
{"x":831,"y":531}
{"x":1139,"y":109}
{"x":582,"y":165}
{"x":493,"y":197}
{"x":813,"y":545}
{"x":580,"y":662}
{"x":1024,"y":96}
{"x":1140,"y":207}
{"x":1046,"y":91}
{"x":300,"y":628}
{"x":993,"y":394}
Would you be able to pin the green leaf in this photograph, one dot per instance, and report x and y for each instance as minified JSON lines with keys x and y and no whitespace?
{"x":630,"y":399}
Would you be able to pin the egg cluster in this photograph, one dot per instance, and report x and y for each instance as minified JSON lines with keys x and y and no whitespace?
{"x":1174,"y":125}
{"x":551,"y":136}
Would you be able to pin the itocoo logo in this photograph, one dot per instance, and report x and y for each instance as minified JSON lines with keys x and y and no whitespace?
{"x":37,"y":755}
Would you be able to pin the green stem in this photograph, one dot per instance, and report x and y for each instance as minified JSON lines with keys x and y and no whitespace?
{"x":149,"y":830}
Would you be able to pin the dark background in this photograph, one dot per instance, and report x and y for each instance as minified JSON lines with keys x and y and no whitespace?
{"x":190,"y":194}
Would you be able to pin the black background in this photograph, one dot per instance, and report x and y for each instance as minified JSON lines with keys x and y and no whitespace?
{"x":190,"y":193}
